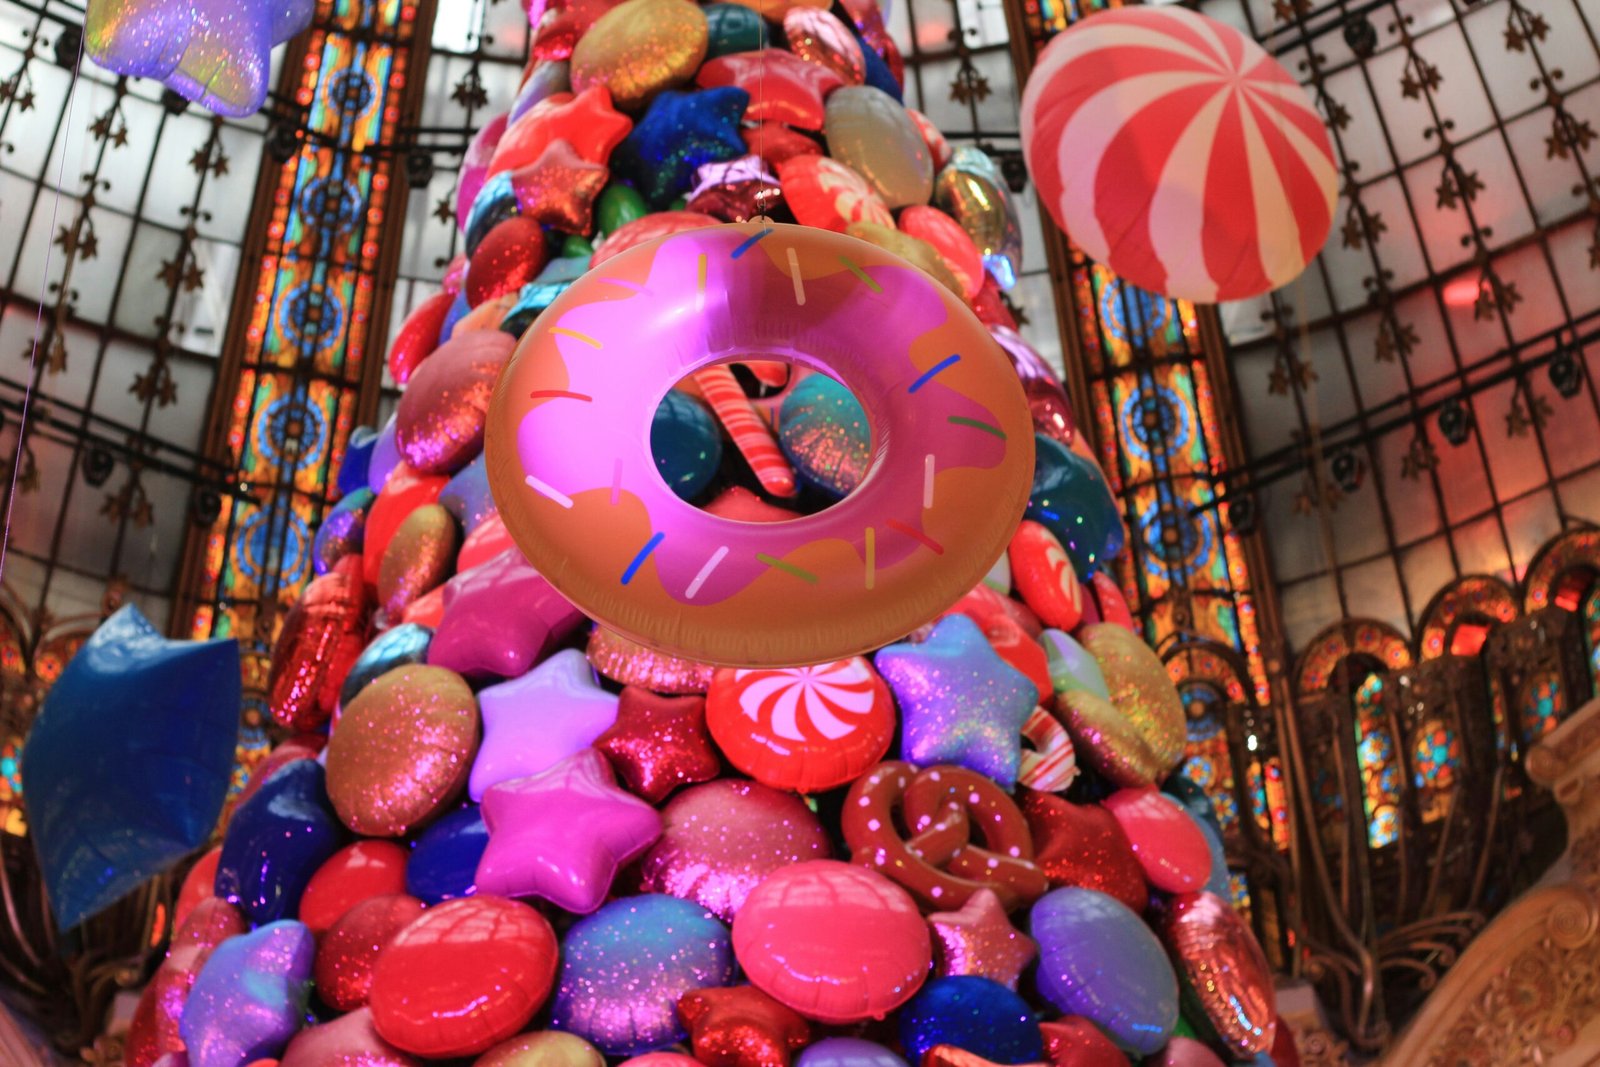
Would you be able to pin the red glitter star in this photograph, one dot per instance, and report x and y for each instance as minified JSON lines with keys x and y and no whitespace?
{"x":741,"y":1027}
{"x":980,"y":940}
{"x":659,"y":743}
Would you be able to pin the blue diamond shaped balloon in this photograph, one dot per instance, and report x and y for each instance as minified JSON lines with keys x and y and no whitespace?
{"x":126,"y":768}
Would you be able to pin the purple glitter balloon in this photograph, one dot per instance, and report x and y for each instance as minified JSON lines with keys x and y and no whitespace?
{"x":250,"y":997}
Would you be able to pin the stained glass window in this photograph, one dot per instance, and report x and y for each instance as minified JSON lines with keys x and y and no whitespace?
{"x":1377,"y":759}
{"x":1542,"y":707}
{"x":1435,"y":762}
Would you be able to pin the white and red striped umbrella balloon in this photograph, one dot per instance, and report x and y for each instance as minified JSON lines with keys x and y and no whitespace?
{"x":1174,"y":150}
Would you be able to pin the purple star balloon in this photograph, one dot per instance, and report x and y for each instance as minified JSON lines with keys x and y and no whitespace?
{"x":215,"y":52}
{"x":534,"y":722}
{"x":563,"y":834}
{"x":959,"y":701}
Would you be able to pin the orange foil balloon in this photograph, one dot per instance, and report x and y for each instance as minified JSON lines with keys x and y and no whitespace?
{"x":776,"y":9}
{"x":1224,"y":971}
{"x":945,"y":235}
{"x":827,"y":194}
{"x":907,"y":248}
{"x":418,"y":336}
{"x":322,"y":636}
{"x":402,"y":750}
{"x":639,"y":48}
{"x":817,"y":36}
{"x":647,"y":228}
{"x":439,"y":423}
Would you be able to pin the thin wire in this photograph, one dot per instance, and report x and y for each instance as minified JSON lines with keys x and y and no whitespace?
{"x":38,"y":319}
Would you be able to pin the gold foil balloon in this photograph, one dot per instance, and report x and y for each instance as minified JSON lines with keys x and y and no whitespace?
{"x":972,"y":191}
{"x":402,"y":749}
{"x":869,"y":131}
{"x":1223,"y":971}
{"x":639,"y":48}
{"x":818,"y":37}
{"x":418,"y":558}
{"x":920,"y":253}
{"x":1140,"y":688}
{"x":1107,"y":740}
{"x":550,"y":1048}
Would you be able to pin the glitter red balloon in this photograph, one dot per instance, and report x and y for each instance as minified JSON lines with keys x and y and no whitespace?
{"x":741,"y":1027}
{"x":659,"y":743}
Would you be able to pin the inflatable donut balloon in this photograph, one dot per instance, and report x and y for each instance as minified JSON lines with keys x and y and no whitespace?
{"x":568,"y":444}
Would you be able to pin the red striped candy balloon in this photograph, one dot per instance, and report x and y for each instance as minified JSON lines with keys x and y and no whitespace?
{"x":1174,"y":150}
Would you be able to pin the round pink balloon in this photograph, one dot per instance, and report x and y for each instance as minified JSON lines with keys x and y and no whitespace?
{"x":719,"y":840}
{"x":834,"y":942}
{"x":1184,"y":1052}
{"x":1170,"y":847}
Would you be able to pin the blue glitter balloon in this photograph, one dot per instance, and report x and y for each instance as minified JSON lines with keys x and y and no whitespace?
{"x":398,"y":647}
{"x":342,"y":532}
{"x":878,"y":74}
{"x":824,"y":432}
{"x":1071,"y":497}
{"x":624,"y":968}
{"x":685,"y":443}
{"x":680,"y":132}
{"x":444,"y":860}
{"x":467,"y":496}
{"x":275,"y":842}
{"x":973,"y":1013}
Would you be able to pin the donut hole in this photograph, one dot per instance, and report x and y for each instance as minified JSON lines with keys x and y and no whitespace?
{"x":821,"y":434}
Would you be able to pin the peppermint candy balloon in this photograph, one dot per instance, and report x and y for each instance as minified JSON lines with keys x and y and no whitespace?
{"x":1173,"y":149}
{"x":802,"y":728}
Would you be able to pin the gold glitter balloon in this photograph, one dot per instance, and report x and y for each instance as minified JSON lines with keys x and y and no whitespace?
{"x":1107,"y":740}
{"x":919,"y":252}
{"x":639,"y":48}
{"x":1140,"y":688}
{"x":402,"y":750}
{"x":548,"y":1049}
{"x":418,"y":557}
{"x":869,"y":131}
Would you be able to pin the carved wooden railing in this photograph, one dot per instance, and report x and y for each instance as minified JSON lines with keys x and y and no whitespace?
{"x":1527,"y":989}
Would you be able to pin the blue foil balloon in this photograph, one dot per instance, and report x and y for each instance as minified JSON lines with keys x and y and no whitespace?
{"x":624,"y":968}
{"x":1217,"y":881}
{"x":385,"y":456}
{"x":342,"y":532}
{"x":847,"y":1052}
{"x":275,"y":842}
{"x":467,"y":497}
{"x":397,"y":647}
{"x":878,"y":74}
{"x":357,"y":452}
{"x":1098,"y":959}
{"x":1190,"y":794}
{"x":127,"y":765}
{"x":824,"y":432}
{"x":457,"y":312}
{"x":1071,"y":497}
{"x":680,"y":132}
{"x":444,"y":860}
{"x":686,"y":444}
{"x":250,"y":997}
{"x":973,"y":1013}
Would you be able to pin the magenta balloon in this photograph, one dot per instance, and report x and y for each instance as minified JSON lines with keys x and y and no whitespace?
{"x":1047,"y":397}
{"x":475,"y":166}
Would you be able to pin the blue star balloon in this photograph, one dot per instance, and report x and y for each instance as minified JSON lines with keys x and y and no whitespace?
{"x":1071,"y":497}
{"x":680,"y":132}
{"x":127,"y":766}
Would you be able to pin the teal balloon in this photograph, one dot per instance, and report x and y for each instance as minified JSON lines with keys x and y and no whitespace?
{"x":619,"y":205}
{"x":686,"y":444}
{"x":398,"y":646}
{"x":823,"y":430}
{"x":128,"y":763}
{"x":1071,"y":497}
{"x":1188,"y":792}
{"x":495,"y":203}
{"x":556,"y":278}
{"x":734,"y":28}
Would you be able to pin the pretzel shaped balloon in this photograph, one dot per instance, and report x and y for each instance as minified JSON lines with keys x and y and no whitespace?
{"x":941,"y":810}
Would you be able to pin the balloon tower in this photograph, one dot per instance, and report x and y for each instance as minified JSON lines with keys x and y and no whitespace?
{"x":712,"y":661}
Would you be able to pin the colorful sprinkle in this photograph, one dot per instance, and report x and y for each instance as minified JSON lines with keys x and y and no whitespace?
{"x":705,"y":572}
{"x":619,"y":283}
{"x":644,"y":554}
{"x":750,"y":242}
{"x":616,"y":482}
{"x":978,"y":424}
{"x":935,"y":369}
{"x":700,"y":282}
{"x":548,"y":490}
{"x":799,"y":282}
{"x":866,"y":279}
{"x":562,"y":331}
{"x":787,"y":568}
{"x":558,"y":394}
{"x":915,"y":535}
{"x":872,"y":557}
{"x":927,"y":481}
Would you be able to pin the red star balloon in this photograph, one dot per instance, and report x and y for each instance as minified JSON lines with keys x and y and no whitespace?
{"x":741,"y":1027}
{"x":559,"y":188}
{"x":782,"y":86}
{"x":980,"y":940}
{"x":1083,"y":845}
{"x":659,"y":743}
{"x":1073,"y":1041}
{"x":587,"y":121}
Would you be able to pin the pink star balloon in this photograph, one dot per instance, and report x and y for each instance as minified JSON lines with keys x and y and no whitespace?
{"x":215,"y":52}
{"x":562,"y":835}
{"x":499,"y":618}
{"x":534,"y":722}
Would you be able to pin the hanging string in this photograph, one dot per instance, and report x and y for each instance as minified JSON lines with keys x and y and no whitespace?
{"x":38,"y":320}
